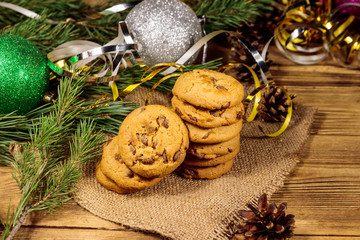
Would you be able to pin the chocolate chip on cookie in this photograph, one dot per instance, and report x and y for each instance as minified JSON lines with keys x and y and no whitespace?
{"x":209,"y":89}
{"x":209,"y":151}
{"x":192,"y":160}
{"x":206,"y":118}
{"x":213,"y":135}
{"x":153,"y":141}
{"x":213,"y":172}
{"x":116,"y":172}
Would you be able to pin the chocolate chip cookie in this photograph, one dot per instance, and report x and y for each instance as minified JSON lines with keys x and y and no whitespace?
{"x":213,"y":135}
{"x":113,"y":167}
{"x":209,"y":89}
{"x":217,"y":171}
{"x":153,"y":141}
{"x":207,"y":118}
{"x":209,"y":151}
{"x":108,"y":183}
{"x":203,"y":162}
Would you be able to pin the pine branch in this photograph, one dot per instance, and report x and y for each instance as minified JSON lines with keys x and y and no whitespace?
{"x":44,"y":174}
{"x":75,"y":23}
{"x":228,"y":14}
{"x":60,"y":9}
{"x":107,"y":118}
{"x":19,"y":223}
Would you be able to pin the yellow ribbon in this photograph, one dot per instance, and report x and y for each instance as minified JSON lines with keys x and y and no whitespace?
{"x":257,"y":94}
{"x":158,"y":83}
{"x":288,"y":116}
{"x":324,"y":30}
{"x":159,"y":67}
{"x":250,"y":97}
{"x":115,"y":91}
{"x":354,"y":49}
{"x":95,"y":105}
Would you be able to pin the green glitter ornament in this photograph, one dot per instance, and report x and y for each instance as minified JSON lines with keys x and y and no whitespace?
{"x":24,"y":75}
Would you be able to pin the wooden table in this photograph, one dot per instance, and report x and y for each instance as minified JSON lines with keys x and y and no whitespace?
{"x":323,"y":192}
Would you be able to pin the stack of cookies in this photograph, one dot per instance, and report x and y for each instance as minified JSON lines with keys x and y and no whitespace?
{"x":210,"y":103}
{"x":151,"y":143}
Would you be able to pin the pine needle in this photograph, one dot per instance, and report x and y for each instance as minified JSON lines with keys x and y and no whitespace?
{"x":45,"y":174}
{"x":228,"y":14}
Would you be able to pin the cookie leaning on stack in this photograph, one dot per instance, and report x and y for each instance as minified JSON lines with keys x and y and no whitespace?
{"x":113,"y":174}
{"x":210,"y":103}
{"x":151,"y":143}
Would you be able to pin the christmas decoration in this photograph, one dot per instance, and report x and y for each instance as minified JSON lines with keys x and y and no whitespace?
{"x":24,"y":75}
{"x":163,"y":30}
{"x":273,"y":105}
{"x":310,"y":32}
{"x":258,"y":34}
{"x":354,"y":10}
{"x":343,"y":33}
{"x":240,"y":55}
{"x":268,"y":221}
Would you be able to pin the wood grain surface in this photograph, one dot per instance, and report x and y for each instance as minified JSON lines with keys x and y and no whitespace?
{"x":323,"y":192}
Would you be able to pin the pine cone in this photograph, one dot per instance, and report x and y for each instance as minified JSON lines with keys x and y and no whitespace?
{"x":267,"y":222}
{"x":239,"y":54}
{"x":263,"y":28}
{"x":273,"y":106}
{"x":257,"y":33}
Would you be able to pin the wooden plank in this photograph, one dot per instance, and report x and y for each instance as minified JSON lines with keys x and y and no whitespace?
{"x":315,"y":75}
{"x":80,"y":234}
{"x":69,"y":216}
{"x":328,"y":145}
{"x":325,"y":70}
{"x":323,"y":192}
{"x":322,"y":212}
{"x":338,"y":113}
{"x":324,"y":96}
{"x":336,"y":121}
{"x":9,"y":191}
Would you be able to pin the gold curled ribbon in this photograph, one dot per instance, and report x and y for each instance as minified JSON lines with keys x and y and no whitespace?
{"x":95,"y":105}
{"x":311,"y":30}
{"x":158,"y":83}
{"x":288,"y":116}
{"x":257,"y":95}
{"x":159,"y":67}
{"x":115,"y":91}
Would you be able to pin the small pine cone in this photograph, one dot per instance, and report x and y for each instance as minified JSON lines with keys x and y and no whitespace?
{"x":268,"y":222}
{"x":273,"y":106}
{"x":257,"y":34}
{"x":240,"y":55}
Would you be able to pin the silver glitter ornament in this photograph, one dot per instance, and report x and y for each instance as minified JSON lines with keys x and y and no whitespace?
{"x":163,"y":30}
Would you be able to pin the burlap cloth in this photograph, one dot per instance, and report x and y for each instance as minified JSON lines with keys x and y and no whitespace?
{"x":179,"y":208}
